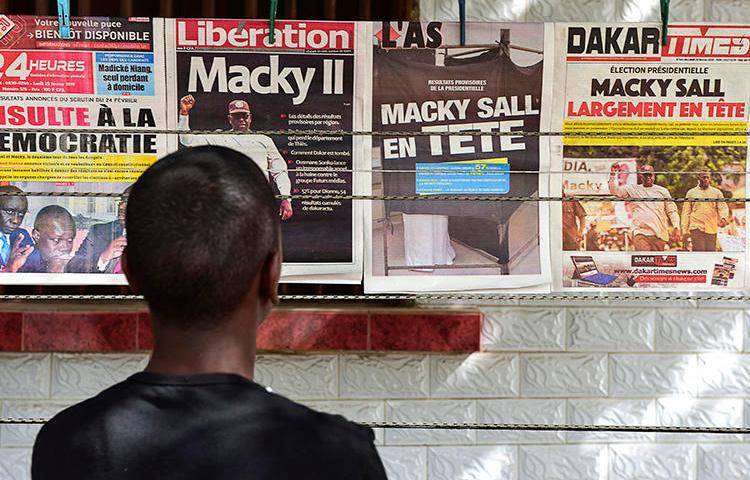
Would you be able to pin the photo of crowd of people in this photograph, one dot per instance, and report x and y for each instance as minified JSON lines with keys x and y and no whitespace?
{"x":660,"y":223}
{"x":39,"y":236}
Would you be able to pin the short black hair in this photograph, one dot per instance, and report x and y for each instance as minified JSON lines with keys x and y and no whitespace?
{"x":11,"y":189}
{"x":201,"y":222}
{"x":53,"y":211}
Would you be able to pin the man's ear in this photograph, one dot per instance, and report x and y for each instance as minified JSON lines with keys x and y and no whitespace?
{"x":270,"y":275}
{"x":35,"y":235}
{"x":126,"y":270}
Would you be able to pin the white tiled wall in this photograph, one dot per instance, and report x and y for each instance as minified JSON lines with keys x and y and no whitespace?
{"x":585,"y":10}
{"x":542,"y":364}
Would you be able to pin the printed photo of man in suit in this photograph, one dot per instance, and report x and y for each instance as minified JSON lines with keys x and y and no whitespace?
{"x":100,"y":251}
{"x":53,"y":234}
{"x":14,"y":240}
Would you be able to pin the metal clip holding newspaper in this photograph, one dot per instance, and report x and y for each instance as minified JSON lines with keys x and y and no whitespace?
{"x":272,"y":18}
{"x":664,"y":20}
{"x":462,"y":19}
{"x":63,"y":16}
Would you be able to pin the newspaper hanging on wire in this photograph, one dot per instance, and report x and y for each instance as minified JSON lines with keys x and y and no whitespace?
{"x":108,"y":75}
{"x":226,"y":75}
{"x":620,"y":78}
{"x":424,"y":82}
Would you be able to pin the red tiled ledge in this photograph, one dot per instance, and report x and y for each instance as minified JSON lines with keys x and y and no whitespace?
{"x":286,"y":329}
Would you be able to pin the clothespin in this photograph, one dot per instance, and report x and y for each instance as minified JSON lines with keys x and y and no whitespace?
{"x":664,"y":20}
{"x":63,"y":17}
{"x":274,"y":5}
{"x":462,"y":19}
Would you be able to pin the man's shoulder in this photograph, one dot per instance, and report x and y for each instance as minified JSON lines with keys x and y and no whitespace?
{"x":275,"y":428}
{"x":34,"y":263}
{"x":273,"y":407}
{"x":104,"y":228}
{"x":662,"y":191}
{"x":314,"y":420}
{"x":323,"y":436}
{"x":26,"y":236}
{"x":261,"y":138}
{"x":710,"y":192}
{"x":91,"y":406}
{"x":78,"y":418}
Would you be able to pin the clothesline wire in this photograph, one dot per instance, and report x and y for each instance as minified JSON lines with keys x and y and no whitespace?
{"x":425,"y":197}
{"x":436,"y":168}
{"x":385,"y":133}
{"x":437,"y":297}
{"x":502,"y":426}
{"x":447,"y":170}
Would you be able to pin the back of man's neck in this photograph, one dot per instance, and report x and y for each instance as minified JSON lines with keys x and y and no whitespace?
{"x":192,"y":353}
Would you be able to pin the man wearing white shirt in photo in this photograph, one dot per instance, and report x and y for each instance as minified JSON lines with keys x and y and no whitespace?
{"x":260,"y":148}
{"x":655,"y":222}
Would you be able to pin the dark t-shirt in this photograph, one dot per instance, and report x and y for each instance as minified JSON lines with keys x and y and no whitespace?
{"x":213,"y":426}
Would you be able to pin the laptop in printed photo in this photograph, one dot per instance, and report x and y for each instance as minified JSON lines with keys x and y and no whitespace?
{"x":586,"y":271}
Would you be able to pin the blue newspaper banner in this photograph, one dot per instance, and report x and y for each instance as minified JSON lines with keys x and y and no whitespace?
{"x":489,"y":177}
{"x":125,"y":73}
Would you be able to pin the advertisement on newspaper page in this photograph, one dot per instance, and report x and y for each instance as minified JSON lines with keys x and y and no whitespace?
{"x":107,"y":76}
{"x":425,"y":84}
{"x":661,"y":215}
{"x":231,"y":86}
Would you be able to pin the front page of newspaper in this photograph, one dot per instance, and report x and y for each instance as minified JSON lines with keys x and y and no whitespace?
{"x":108,"y":76}
{"x":227,"y":76}
{"x":642,"y":232}
{"x":424,"y":82}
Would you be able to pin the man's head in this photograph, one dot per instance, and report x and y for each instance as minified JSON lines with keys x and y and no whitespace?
{"x":704,"y":180}
{"x":12,"y":209}
{"x":122,"y":205}
{"x":54,"y":231}
{"x":240,"y":117}
{"x":203,"y":237}
{"x":647,"y":175}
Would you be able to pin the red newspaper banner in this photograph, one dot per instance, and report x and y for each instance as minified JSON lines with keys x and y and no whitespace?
{"x":231,"y":34}
{"x":708,"y":41}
